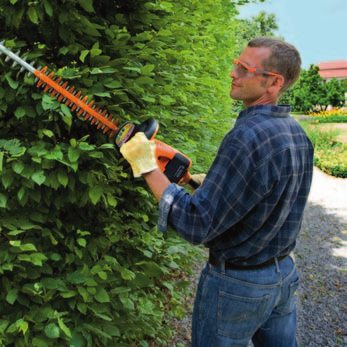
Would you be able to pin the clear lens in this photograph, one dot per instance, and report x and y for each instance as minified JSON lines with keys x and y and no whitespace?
{"x":240,"y":69}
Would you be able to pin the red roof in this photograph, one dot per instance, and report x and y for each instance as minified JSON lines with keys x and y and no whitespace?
{"x":331,"y":65}
{"x":337,"y":68}
{"x":333,"y":73}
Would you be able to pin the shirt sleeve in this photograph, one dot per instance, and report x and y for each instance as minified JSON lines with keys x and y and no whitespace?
{"x":165,"y":205}
{"x":228,"y":192}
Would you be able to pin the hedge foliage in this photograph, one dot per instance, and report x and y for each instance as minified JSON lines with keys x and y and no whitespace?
{"x":81,"y":261}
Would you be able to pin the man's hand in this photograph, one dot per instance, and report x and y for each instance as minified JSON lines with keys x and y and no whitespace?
{"x":140,"y":153}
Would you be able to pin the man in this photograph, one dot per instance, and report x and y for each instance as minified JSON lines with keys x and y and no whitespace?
{"x":248,"y":210}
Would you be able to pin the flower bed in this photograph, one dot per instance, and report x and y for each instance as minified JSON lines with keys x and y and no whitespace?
{"x":332,"y":116}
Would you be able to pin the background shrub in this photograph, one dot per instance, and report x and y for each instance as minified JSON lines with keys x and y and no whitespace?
{"x":330,"y":155}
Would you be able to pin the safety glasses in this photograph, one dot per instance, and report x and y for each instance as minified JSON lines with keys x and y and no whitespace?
{"x":242,"y":69}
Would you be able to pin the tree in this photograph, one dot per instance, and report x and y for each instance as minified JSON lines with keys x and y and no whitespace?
{"x":261,"y":25}
{"x":309,"y":90}
{"x":334,"y":94}
{"x":266,"y":23}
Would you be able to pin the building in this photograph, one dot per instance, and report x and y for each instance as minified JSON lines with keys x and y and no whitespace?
{"x":331,"y":69}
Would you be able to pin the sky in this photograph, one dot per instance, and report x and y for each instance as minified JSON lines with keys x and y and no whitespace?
{"x":317,"y":28}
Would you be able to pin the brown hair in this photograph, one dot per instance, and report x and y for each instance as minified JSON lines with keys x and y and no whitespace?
{"x":284,"y":59}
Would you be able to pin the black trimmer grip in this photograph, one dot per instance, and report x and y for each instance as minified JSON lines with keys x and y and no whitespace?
{"x":149,"y":127}
{"x":194,"y":184}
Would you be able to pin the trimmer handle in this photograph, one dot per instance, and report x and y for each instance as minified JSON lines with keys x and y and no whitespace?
{"x":149,"y":127}
{"x":127,"y":130}
{"x":171,"y":162}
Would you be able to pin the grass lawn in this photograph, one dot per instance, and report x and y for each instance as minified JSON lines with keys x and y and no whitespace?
{"x":330,"y":142}
{"x":340,"y":128}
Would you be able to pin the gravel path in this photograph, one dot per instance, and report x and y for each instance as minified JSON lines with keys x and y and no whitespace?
{"x":321,"y":257}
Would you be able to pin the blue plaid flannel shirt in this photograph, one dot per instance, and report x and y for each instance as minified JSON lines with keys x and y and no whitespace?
{"x":250,"y":206}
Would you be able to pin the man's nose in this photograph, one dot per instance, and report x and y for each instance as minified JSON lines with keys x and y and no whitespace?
{"x":233,"y":74}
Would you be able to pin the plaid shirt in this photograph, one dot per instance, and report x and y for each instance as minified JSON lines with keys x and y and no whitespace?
{"x":250,"y":206}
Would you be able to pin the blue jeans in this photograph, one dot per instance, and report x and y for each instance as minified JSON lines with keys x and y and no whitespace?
{"x":233,"y":307}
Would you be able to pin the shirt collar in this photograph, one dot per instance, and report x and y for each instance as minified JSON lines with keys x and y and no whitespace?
{"x":273,"y":110}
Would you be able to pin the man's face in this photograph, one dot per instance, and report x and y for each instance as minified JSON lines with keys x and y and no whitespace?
{"x":251,"y":87}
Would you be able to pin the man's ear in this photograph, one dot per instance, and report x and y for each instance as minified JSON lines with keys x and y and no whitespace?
{"x":276,"y":84}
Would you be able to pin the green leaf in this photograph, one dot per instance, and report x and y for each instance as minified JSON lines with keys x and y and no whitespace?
{"x":15,"y":148}
{"x":82,"y":307}
{"x":87,"y":5}
{"x":3,"y":200}
{"x":28,"y":247}
{"x":49,"y":283}
{"x":52,"y":331}
{"x":63,"y":50}
{"x":32,"y":14}
{"x":69,"y":294}
{"x":101,"y":295}
{"x":145,"y":80}
{"x":64,"y":328}
{"x":19,"y":325}
{"x":127,"y":303}
{"x":104,"y":317}
{"x":38,"y":177}
{"x":37,"y":258}
{"x":102,"y":275}
{"x":113,"y":84}
{"x":20,"y":112}
{"x":16,"y":232}
{"x":83,"y":55}
{"x":76,"y":278}
{"x":95,"y":52}
{"x":66,"y":110}
{"x":147,"y":69}
{"x":112,"y":201}
{"x":17,"y":167}
{"x":48,"y":133}
{"x":95,"y":193}
{"x":97,"y":71}
{"x":37,"y":342}
{"x":77,"y":340}
{"x":12,"y":296}
{"x":107,"y":146}
{"x":13,"y":84}
{"x":127,"y":274}
{"x":48,"y":8}
{"x":82,"y":242}
{"x":63,"y":177}
{"x":166,"y":100}
{"x":49,"y":103}
{"x":73,"y":154}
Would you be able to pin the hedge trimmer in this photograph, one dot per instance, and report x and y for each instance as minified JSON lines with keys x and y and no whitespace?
{"x":174,"y":164}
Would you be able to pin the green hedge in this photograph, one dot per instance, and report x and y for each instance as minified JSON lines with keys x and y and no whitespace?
{"x":330,"y":155}
{"x":332,"y":161}
{"x":81,"y":261}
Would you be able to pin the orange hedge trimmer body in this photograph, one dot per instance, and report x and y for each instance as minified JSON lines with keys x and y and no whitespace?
{"x":174,"y":164}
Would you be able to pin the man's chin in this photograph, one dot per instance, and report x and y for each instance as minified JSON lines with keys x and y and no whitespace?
{"x":234,"y":96}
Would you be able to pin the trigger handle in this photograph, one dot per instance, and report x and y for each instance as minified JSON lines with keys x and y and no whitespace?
{"x":149,"y":127}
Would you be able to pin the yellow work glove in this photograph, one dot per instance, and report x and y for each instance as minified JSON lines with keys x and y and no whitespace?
{"x":140,"y":153}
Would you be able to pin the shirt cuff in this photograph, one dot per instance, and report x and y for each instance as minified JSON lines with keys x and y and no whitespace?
{"x":165,"y":205}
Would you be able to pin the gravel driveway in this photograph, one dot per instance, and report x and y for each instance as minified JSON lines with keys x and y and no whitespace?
{"x":321,"y":257}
